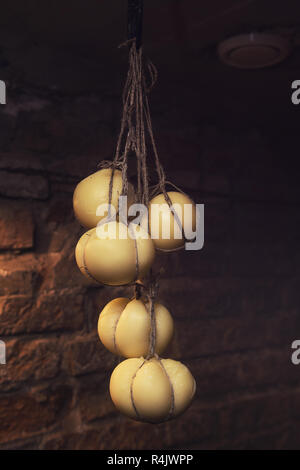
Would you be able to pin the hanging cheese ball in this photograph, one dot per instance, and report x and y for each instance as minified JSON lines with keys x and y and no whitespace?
{"x":93,"y":191}
{"x":111,"y":256}
{"x":153,"y":390}
{"x":165,"y":230}
{"x":124,"y":327}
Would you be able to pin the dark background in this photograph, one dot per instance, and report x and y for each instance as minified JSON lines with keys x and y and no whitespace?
{"x":229,"y":138}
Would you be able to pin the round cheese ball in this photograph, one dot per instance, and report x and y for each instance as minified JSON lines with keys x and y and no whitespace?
{"x":110,"y":255}
{"x":93,"y":191}
{"x":162,"y":222}
{"x":153,"y":390}
{"x":124,"y":327}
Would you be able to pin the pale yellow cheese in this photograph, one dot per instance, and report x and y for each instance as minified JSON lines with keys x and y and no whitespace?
{"x":165,"y":223}
{"x":153,"y":390}
{"x":113,"y":259}
{"x":124,"y":327}
{"x":93,"y":191}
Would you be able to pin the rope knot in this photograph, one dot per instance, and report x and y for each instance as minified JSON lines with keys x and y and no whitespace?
{"x":113,"y":164}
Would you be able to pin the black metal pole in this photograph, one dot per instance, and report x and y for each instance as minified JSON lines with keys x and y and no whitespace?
{"x":135,"y":21}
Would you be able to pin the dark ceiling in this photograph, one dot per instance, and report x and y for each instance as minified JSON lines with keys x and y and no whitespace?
{"x":72,"y":46}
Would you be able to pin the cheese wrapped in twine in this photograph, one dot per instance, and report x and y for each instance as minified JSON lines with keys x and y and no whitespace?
{"x":124,"y":327}
{"x":168,"y":215}
{"x":101,"y":188}
{"x":152,"y":390}
{"x":110,"y":255}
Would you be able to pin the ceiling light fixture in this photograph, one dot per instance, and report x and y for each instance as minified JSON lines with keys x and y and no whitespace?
{"x":254,"y":50}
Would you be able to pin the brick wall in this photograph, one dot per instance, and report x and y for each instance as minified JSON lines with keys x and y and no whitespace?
{"x":235,"y":303}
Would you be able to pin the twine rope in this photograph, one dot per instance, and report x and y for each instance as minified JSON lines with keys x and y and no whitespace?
{"x":135,"y":123}
{"x":135,"y":126}
{"x":152,"y":295}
